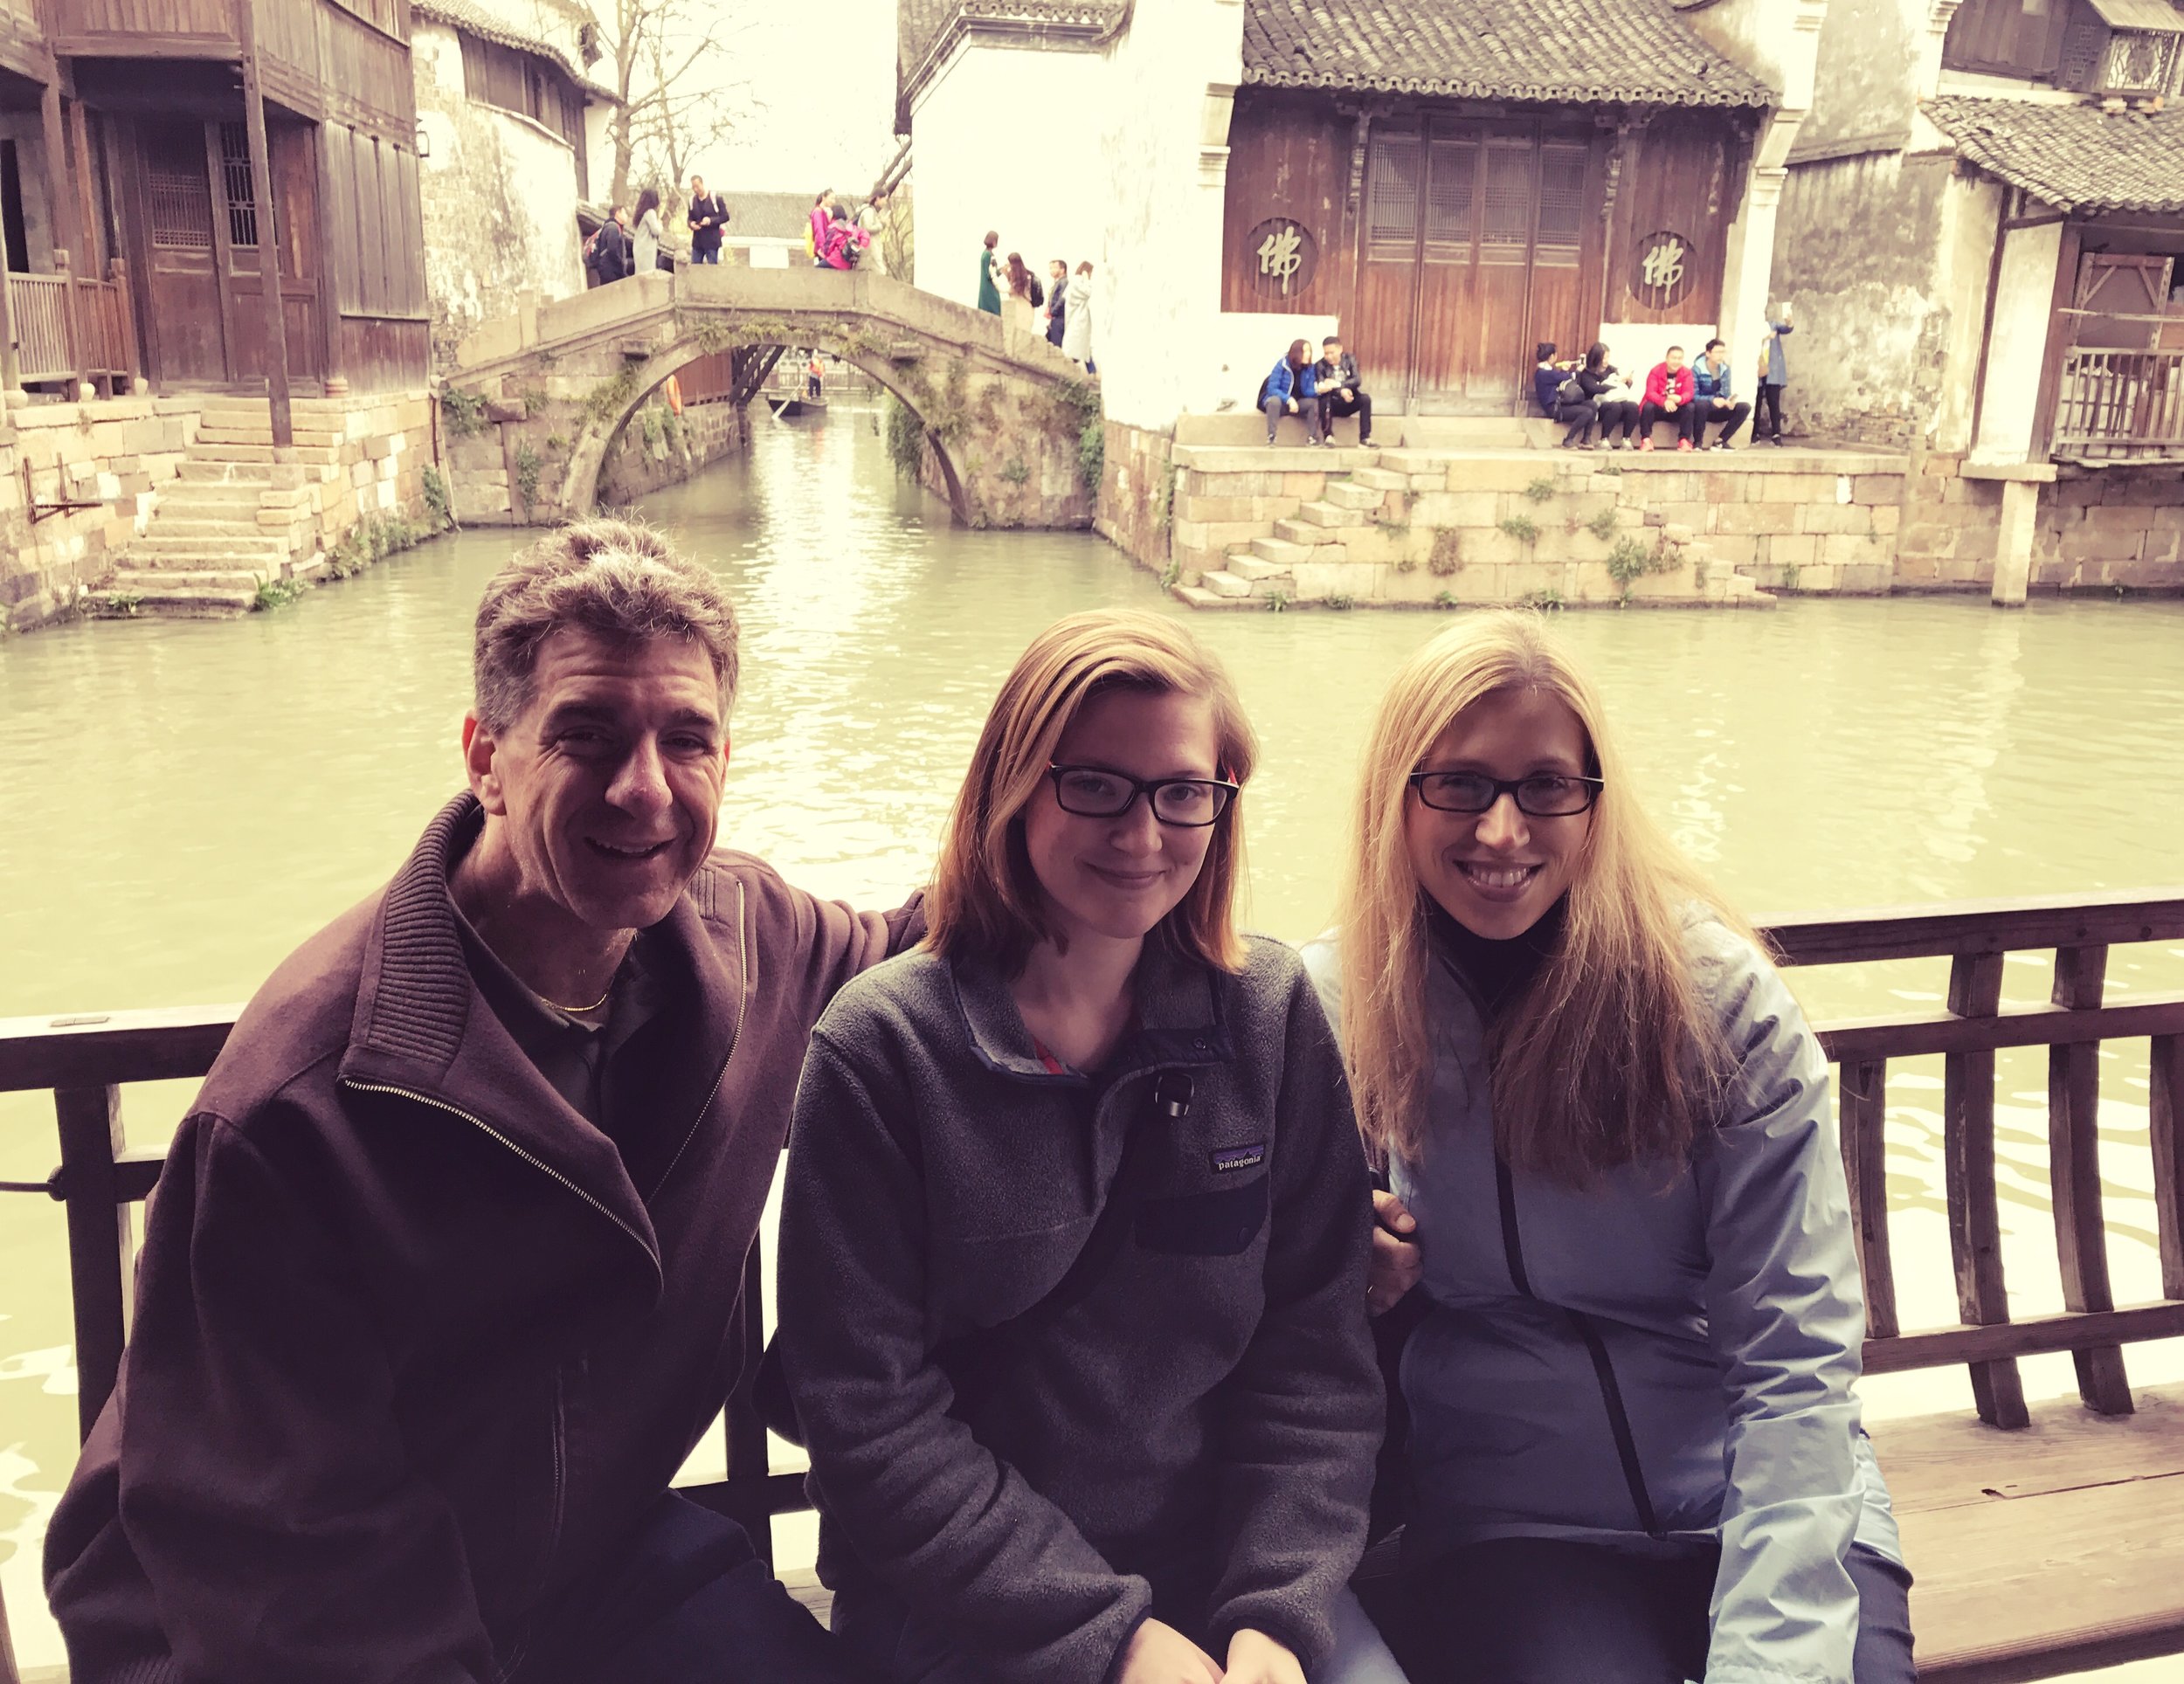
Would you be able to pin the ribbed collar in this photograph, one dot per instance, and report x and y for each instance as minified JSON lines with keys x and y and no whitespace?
{"x":421,"y":1025}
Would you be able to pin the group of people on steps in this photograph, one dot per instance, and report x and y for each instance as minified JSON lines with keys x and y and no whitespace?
{"x":1103,"y":1220}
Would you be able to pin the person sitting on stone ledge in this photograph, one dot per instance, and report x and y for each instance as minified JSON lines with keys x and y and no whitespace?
{"x":1668,"y":391}
{"x":1341,"y":392}
{"x":1712,"y":400}
{"x":1292,"y":389}
{"x":1615,"y":400}
{"x":1561,"y":396}
{"x":438,"y":1288}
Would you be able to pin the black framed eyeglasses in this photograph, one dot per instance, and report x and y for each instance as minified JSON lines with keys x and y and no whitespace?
{"x":1543,"y":795}
{"x":1096,"y":792}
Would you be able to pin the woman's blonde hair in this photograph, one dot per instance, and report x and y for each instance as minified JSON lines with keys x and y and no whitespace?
{"x":1609,"y":1055}
{"x":985,"y":901}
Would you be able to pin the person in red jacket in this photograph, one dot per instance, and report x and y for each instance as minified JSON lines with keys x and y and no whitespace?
{"x":1668,"y":391}
{"x":439,"y":1284}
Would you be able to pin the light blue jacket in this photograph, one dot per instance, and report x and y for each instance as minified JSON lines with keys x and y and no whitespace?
{"x":1716,"y":1310}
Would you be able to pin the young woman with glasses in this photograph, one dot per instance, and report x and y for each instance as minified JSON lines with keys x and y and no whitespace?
{"x":1075,"y":1238}
{"x":1634,"y":1451}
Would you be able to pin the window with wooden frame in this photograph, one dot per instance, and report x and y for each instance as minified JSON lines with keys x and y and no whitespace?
{"x":235,"y":182}
{"x":523,"y":83}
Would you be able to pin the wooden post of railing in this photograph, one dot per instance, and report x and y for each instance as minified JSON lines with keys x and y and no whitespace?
{"x":11,"y":358}
{"x":1861,"y":1099}
{"x":2165,"y":1117}
{"x":125,"y":315}
{"x":98,"y":1248}
{"x":2074,"y":1168}
{"x":1976,"y":1228}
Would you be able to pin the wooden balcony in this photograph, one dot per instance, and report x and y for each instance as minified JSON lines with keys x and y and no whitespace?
{"x":2120,"y":406}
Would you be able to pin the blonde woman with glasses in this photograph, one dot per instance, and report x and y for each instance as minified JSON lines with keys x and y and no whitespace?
{"x":1634,"y":1454}
{"x":1077,"y":1225}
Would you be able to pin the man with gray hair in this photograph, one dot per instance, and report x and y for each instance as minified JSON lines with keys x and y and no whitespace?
{"x":439,"y":1284}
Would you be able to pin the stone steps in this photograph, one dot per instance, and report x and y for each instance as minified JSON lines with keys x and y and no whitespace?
{"x":1225,"y":584}
{"x":1381,"y":479}
{"x":201,"y":452}
{"x":196,"y":470}
{"x":167,"y":554}
{"x":180,"y":593}
{"x":1347,"y":494}
{"x":195,"y":523}
{"x":1245,"y":565}
{"x":258,"y":437}
{"x":1305,"y":534}
{"x":1278,"y":552}
{"x":1328,"y":513}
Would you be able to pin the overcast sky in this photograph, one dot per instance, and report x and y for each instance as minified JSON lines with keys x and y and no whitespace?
{"x":823,"y":72}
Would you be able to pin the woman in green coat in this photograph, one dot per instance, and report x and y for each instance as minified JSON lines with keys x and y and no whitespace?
{"x":989,"y":294}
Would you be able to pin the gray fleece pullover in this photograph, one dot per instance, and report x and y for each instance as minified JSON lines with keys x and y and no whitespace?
{"x":1192,"y":1439}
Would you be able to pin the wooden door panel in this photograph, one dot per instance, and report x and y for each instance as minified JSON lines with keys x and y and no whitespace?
{"x":1380,"y":331}
{"x":1447,"y":266}
{"x":1499,"y":354}
{"x":289,"y":234}
{"x":185,"y":340}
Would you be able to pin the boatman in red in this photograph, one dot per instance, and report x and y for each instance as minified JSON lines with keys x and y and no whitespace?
{"x":439,"y":1284}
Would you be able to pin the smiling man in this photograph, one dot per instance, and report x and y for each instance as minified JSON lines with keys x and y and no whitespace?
{"x":439,"y":1284}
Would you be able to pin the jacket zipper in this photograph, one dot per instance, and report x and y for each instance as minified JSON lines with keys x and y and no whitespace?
{"x":1603,"y":1368}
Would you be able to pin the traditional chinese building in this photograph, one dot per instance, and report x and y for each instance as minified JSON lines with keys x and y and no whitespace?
{"x":2011,"y":303}
{"x":509,"y":118}
{"x":1444,"y":183}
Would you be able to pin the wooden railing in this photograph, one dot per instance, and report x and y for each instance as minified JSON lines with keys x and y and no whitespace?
{"x":85,"y":1062}
{"x":45,"y":329}
{"x":2120,"y":404}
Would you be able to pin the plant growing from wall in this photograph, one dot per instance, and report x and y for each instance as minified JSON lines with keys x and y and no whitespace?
{"x":275,"y":593}
{"x":1541,"y":489}
{"x":1444,"y":599}
{"x":1520,"y":527}
{"x":1277,"y":601}
{"x":1164,"y":499}
{"x":122,"y":604}
{"x":1546,"y":602}
{"x":1170,"y":575}
{"x":1016,"y":471}
{"x":463,"y":413}
{"x":1447,"y":552}
{"x":1629,"y":561}
{"x":1341,"y":599}
{"x":610,"y":397}
{"x":906,"y":440}
{"x":527,"y":465}
{"x":649,"y":424}
{"x":438,"y":504}
{"x":1602,"y":526}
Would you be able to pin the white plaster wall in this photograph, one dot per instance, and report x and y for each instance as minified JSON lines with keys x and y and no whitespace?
{"x":1972,"y":207}
{"x":1000,"y":145}
{"x":598,"y":152}
{"x":1160,"y":338}
{"x":499,"y":198}
{"x":2023,"y":291}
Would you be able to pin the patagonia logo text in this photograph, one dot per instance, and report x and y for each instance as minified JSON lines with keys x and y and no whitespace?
{"x":1237,"y":1157}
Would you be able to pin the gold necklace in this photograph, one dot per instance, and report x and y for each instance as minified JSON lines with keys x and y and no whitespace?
{"x":578,"y":1011}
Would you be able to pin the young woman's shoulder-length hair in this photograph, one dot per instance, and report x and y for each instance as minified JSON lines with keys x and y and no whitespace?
{"x":1611,"y":1054}
{"x":984,"y":902}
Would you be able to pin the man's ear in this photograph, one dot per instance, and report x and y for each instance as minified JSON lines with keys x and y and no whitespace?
{"x":728,"y":746}
{"x":480,"y":747}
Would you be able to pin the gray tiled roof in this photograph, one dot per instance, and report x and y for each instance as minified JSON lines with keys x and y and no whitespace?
{"x":2075,"y":157}
{"x":920,"y":24}
{"x":1628,"y":52}
{"x":492,"y":24}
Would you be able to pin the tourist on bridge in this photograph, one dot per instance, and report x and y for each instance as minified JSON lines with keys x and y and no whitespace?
{"x":1712,"y":399}
{"x":1614,"y":399}
{"x":1561,"y":394}
{"x":1341,"y":392}
{"x":1292,"y":389}
{"x":1075,"y":1229}
{"x":607,"y":253}
{"x":1774,"y":374}
{"x":845,"y":241}
{"x":645,"y":240}
{"x":816,"y":226}
{"x":1669,"y":392}
{"x":437,"y":1290}
{"x":1617,"y":1257}
{"x":1056,"y":318}
{"x":1021,"y":297}
{"x":990,"y":276}
{"x":873,"y":219}
{"x":708,"y":216}
{"x":1076,"y":332}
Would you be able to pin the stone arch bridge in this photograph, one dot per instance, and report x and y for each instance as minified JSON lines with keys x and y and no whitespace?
{"x":537,"y":398}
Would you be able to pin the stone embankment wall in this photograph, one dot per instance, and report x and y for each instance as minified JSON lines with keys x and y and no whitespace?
{"x":116,"y":453}
{"x":2106,"y":529}
{"x":658,"y":447}
{"x":498,"y":453}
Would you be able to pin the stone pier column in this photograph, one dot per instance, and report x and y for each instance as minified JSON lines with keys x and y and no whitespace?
{"x":2013,"y":550}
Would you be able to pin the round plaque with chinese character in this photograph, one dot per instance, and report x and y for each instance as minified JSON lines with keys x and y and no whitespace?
{"x":1283,"y":255}
{"x":1663,"y":269}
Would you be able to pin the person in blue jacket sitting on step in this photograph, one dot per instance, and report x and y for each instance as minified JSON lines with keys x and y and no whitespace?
{"x":1292,"y":389}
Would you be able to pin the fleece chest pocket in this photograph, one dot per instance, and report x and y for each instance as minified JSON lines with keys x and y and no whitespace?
{"x":1217,"y":1222}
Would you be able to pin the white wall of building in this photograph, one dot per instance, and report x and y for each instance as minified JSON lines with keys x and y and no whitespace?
{"x":500,"y":197}
{"x":996,"y":150}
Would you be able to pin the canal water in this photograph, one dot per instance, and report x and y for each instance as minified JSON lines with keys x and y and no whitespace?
{"x":181,"y":804}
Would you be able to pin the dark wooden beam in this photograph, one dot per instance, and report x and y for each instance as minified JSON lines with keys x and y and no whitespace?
{"x":61,"y":206}
{"x":276,"y":326}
